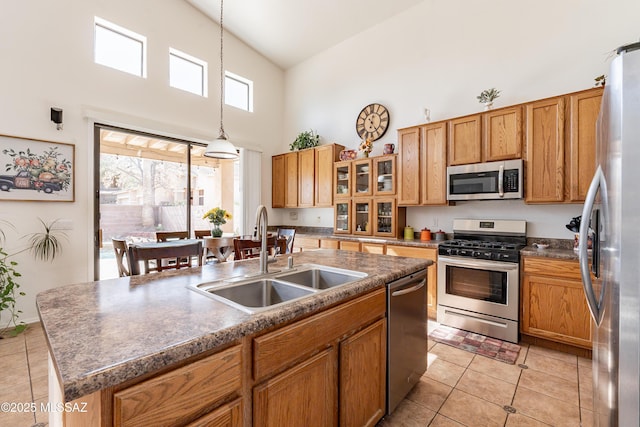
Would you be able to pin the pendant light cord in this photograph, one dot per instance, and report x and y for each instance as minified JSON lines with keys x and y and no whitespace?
{"x":222,"y":133}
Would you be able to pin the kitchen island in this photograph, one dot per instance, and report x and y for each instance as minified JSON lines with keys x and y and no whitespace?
{"x":108,"y":337}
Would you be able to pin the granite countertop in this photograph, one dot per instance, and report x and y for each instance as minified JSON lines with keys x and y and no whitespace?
{"x":370,"y":239}
{"x":103,"y":333}
{"x":550,"y":252}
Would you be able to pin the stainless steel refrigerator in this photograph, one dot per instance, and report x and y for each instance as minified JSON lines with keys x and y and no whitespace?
{"x":611,"y":270}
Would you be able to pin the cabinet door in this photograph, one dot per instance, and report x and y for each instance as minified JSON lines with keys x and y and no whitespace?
{"x":363,"y":370}
{"x":585,"y":108}
{"x":306,"y":177}
{"x":325,"y":155}
{"x":342,"y":217}
{"x":278,"y":180}
{"x":305,"y":395}
{"x":502,"y":134}
{"x":385,"y":217}
{"x":433,"y":160}
{"x":361,"y":217}
{"x":545,"y":151}
{"x":291,"y":180}
{"x":384,"y":173}
{"x":228,"y":415}
{"x":342,"y":180}
{"x":432,"y":272}
{"x":465,"y":140}
{"x":409,"y":166}
{"x":361,"y":184}
{"x":555,"y":308}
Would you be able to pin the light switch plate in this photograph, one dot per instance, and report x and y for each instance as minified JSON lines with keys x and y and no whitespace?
{"x":293,"y":216}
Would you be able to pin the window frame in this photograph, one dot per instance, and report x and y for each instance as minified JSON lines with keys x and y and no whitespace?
{"x":204,"y":68}
{"x":117,"y":29}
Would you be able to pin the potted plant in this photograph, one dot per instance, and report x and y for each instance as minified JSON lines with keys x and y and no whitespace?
{"x":217,"y":216}
{"x":44,"y":246}
{"x":306,"y":139}
{"x":487,"y":96}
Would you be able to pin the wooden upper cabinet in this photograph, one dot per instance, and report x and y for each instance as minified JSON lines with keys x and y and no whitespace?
{"x":465,"y":140}
{"x":291,"y":180}
{"x":325,"y":156}
{"x":433,"y":164}
{"x":581,"y":161}
{"x":278,"y":180}
{"x":306,"y":177}
{"x":502,"y":138}
{"x":545,"y":151}
{"x":409,"y":166}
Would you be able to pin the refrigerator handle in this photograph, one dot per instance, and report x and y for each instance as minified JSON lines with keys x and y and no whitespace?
{"x":583,"y":255}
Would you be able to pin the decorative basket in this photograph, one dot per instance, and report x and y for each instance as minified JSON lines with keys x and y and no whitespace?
{"x":348,"y":154}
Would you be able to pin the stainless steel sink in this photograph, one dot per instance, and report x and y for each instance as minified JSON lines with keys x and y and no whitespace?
{"x":268,"y":291}
{"x":259,"y":294}
{"x":320,"y":277}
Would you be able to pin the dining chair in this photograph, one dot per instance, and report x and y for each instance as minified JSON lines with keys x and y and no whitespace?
{"x":249,"y":248}
{"x":199,"y":234}
{"x":164,"y":236}
{"x":180,"y":256}
{"x":121,"y":250}
{"x":289,"y":234}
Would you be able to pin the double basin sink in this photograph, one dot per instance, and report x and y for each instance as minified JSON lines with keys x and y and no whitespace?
{"x":274,"y":289}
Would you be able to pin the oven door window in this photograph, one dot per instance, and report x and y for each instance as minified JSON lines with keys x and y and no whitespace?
{"x":474,"y":183}
{"x":483,"y":285}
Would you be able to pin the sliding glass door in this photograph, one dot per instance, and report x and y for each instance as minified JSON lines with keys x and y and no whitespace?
{"x":147,"y":183}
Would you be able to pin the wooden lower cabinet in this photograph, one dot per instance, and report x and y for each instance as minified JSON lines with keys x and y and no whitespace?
{"x":363,"y":376}
{"x":432,"y":272}
{"x":553,"y":302}
{"x":305,"y":395}
{"x":228,"y":415}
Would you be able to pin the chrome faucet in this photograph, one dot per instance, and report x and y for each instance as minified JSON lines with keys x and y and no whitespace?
{"x":261,"y":234}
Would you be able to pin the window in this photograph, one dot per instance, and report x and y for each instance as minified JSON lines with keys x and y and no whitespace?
{"x":238,"y":91}
{"x":119,"y":48}
{"x":187,"y":72}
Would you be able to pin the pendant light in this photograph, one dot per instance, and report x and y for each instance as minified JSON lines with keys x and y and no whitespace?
{"x":221,"y":147}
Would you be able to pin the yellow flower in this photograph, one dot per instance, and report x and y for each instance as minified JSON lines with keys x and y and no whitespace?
{"x":217,"y":216}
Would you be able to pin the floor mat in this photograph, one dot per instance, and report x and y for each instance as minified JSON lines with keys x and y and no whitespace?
{"x":475,"y":343}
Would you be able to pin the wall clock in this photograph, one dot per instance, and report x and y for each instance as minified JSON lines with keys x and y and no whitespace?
{"x":372,"y":122}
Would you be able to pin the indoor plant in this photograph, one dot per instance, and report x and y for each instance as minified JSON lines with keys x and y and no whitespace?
{"x":43,"y":246}
{"x":306,"y":139}
{"x":487,"y":96}
{"x":217,"y":216}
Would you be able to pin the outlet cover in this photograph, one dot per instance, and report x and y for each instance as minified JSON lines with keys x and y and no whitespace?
{"x":293,"y":216}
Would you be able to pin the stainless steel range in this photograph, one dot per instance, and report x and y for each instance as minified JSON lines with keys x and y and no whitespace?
{"x":478,"y":277}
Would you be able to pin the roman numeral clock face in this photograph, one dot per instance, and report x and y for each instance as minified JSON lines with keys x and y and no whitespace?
{"x":372,"y":122}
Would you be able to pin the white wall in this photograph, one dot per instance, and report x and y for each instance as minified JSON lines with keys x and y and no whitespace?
{"x":47,"y":60}
{"x":441,"y":54}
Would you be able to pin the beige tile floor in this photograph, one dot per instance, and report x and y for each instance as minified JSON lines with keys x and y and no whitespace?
{"x":543,"y":388}
{"x":458,"y":389}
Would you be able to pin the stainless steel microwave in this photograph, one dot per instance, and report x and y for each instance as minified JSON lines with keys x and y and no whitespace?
{"x":485,"y":181}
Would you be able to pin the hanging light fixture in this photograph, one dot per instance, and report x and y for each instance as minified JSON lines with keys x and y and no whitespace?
{"x":221,"y":147}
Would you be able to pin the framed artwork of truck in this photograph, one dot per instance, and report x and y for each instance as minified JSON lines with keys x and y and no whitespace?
{"x":36,"y":170}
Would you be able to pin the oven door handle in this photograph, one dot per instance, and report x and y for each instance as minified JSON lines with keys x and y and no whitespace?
{"x":473,"y":263}
{"x":501,"y":181}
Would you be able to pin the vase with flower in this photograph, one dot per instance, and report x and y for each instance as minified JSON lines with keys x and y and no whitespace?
{"x":366,"y":146}
{"x":217,"y":216}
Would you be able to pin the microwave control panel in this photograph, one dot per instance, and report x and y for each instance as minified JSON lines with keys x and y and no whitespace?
{"x":511,"y":181}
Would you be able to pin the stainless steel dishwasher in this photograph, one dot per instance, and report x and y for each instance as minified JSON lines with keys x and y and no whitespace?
{"x":407,"y":335}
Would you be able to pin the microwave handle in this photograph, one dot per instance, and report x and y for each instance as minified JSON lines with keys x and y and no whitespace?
{"x":501,"y":181}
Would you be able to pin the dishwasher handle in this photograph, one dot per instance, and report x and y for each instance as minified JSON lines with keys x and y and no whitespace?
{"x":409,"y":290}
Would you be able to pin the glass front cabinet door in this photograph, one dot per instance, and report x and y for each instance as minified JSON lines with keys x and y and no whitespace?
{"x":361,"y":184}
{"x":342,"y":179}
{"x":362,"y":217}
{"x":342,"y":217}
{"x":385,"y":217}
{"x":384,"y":175}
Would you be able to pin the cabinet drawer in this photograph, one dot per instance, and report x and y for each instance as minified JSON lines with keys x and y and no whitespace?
{"x":228,"y":415}
{"x":412,"y":252}
{"x":349,"y":246}
{"x":275,"y":350}
{"x":329,"y":244}
{"x":183,"y":393}
{"x":552,"y":267}
{"x":307,"y":243}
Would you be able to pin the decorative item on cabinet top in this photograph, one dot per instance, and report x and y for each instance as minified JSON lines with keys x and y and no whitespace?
{"x":306,"y":139}
{"x":348,"y":154}
{"x":487,"y":97}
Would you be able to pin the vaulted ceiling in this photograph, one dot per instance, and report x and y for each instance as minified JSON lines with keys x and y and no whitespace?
{"x":290,"y":31}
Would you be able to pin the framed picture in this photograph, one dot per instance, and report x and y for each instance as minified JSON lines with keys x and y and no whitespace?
{"x":33,"y":169}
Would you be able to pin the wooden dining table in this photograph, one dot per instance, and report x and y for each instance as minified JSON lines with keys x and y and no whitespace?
{"x":220,"y":247}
